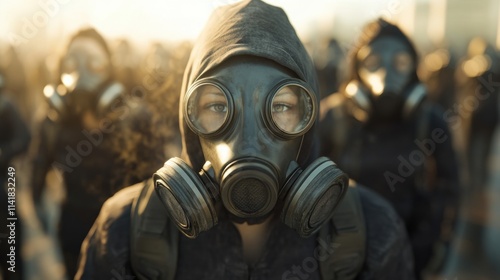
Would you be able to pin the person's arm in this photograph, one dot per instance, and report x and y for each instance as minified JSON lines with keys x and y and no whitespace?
{"x":42,"y":160}
{"x":436,"y":199}
{"x":447,"y":181}
{"x":388,"y":251}
{"x":105,"y":252}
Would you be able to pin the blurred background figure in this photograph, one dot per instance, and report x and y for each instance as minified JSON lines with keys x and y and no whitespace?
{"x":329,"y":61}
{"x":75,"y":137}
{"x":477,"y":78}
{"x":14,"y":81}
{"x":126,"y":62}
{"x":437,"y":72}
{"x":156,"y":66}
{"x":150,"y":135}
{"x":492,"y":242}
{"x":383,"y":133}
{"x":14,"y":140}
{"x":476,"y":119}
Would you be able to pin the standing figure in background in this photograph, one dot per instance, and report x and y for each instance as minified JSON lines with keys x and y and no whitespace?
{"x":16,"y":82}
{"x":157,"y":65}
{"x":14,"y":139}
{"x":384,"y":135}
{"x":150,"y":133}
{"x":329,"y":61}
{"x":126,"y":62}
{"x":437,"y":72}
{"x":477,"y":78}
{"x":475,"y":118}
{"x":77,"y":137}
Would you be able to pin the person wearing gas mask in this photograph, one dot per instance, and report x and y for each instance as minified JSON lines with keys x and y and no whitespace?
{"x":437,"y":72}
{"x":14,"y":140}
{"x":475,"y":118}
{"x":329,"y":61}
{"x":249,"y":198}
{"x":77,"y":138}
{"x":383,"y":133}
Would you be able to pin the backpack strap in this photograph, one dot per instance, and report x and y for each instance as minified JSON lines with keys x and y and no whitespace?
{"x":154,"y":238}
{"x":342,"y":241}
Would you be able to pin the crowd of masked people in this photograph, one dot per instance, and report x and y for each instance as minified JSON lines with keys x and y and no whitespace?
{"x":417,"y":129}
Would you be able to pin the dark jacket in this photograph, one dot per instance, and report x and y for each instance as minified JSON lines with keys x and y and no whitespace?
{"x":14,"y":134}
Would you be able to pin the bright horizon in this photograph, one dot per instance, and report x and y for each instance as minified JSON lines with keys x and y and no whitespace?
{"x":165,"y":20}
{"x":40,"y":25}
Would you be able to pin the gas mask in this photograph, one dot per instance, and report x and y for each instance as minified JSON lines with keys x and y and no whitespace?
{"x":251,"y":119}
{"x":386,"y":69}
{"x":84,"y":70}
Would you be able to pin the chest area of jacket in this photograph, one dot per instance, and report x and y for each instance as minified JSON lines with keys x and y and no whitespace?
{"x":369,"y":155}
{"x":218,"y":255}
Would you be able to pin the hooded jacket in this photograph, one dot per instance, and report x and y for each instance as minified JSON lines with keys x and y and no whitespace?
{"x":255,"y":29}
{"x":250,"y":28}
{"x":381,"y":155}
{"x":81,"y":146}
{"x":376,"y":30}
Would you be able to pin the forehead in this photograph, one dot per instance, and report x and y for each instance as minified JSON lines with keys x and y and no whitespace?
{"x":250,"y":72}
{"x":384,"y":46}
{"x":87,"y":46}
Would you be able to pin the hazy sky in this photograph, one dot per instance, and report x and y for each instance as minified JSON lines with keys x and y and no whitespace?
{"x":35,"y":24}
{"x":164,"y":19}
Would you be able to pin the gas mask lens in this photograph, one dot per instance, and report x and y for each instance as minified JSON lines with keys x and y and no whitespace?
{"x":207,"y":108}
{"x":403,"y":62}
{"x":292,"y":110}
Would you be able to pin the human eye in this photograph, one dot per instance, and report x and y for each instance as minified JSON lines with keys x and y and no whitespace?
{"x":403,"y":62}
{"x":217,"y":107}
{"x":284,"y":101}
{"x":208,"y":108}
{"x":281,"y":107}
{"x":372,"y":63}
{"x":69,"y":64}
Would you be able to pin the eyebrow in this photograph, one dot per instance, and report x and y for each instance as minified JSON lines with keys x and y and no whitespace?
{"x":285,"y":91}
{"x":214,"y":93}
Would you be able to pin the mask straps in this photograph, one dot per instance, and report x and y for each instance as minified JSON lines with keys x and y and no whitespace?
{"x":300,"y":148}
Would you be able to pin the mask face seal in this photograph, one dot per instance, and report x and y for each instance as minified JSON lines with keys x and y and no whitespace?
{"x":251,"y":137}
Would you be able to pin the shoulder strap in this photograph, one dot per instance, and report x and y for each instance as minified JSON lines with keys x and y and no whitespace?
{"x":342,"y":241}
{"x":154,"y":238}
